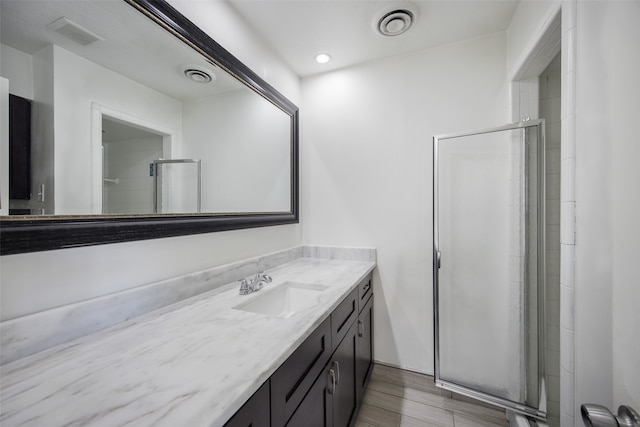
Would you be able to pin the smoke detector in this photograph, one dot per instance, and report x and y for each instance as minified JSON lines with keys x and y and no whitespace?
{"x":395,"y":22}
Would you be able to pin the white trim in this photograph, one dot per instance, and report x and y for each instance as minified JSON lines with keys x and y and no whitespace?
{"x":169,"y":147}
{"x":542,"y":48}
{"x":4,"y":146}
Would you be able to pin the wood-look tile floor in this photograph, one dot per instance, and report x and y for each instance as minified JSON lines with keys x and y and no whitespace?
{"x":396,"y":397}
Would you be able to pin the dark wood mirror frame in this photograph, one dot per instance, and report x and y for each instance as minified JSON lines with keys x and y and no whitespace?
{"x":49,"y":233}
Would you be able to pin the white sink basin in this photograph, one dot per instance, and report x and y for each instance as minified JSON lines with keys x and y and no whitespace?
{"x":284,"y":300}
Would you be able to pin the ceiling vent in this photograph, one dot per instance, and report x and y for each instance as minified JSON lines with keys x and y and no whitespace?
{"x":395,"y":22}
{"x":199,"y":74}
{"x":74,"y":31}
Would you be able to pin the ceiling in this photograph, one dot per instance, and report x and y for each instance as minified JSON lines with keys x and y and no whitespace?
{"x":132,"y":45}
{"x":299,"y":29}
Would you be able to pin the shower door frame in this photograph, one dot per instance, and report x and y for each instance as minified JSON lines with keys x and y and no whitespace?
{"x":541,"y":411}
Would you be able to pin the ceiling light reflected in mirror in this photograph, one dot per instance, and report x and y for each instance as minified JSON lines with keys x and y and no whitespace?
{"x":323,"y":58}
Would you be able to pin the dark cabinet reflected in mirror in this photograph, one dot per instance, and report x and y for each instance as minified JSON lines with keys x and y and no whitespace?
{"x":141,"y":126}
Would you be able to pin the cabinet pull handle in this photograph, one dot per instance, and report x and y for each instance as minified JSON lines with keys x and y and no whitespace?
{"x":332,"y":382}
{"x":337,"y":365}
{"x":366,"y":287}
{"x":360,"y":328}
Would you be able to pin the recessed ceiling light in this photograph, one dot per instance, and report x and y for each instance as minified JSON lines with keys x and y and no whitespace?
{"x":323,"y":58}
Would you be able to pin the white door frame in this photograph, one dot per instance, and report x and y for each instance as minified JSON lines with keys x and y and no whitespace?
{"x":170,"y":144}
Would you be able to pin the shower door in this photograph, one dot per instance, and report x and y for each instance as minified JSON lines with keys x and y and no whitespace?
{"x":489,"y":265}
{"x":177,"y":186}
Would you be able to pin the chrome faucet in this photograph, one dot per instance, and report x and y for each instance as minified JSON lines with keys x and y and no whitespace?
{"x":248,"y":286}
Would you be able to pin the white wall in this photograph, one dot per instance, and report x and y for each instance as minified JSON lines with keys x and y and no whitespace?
{"x":78,"y":84}
{"x":4,"y":146}
{"x":17,"y":66}
{"x":43,"y":132}
{"x":37,"y":281}
{"x":607,"y":337}
{"x":244,"y":142}
{"x":367,"y":170}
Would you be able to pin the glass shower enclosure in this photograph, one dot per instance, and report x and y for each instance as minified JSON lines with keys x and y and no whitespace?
{"x":488,"y":266}
{"x":177,"y":186}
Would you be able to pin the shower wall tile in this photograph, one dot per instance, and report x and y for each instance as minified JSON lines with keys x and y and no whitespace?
{"x":566,"y":316}
{"x":567,"y":270}
{"x":553,"y":262}
{"x":553,"y":160}
{"x":568,"y":147}
{"x":552,"y":212}
{"x":566,"y":351}
{"x":553,"y":238}
{"x":554,"y":86}
{"x":566,"y":392}
{"x":553,"y":187}
{"x":570,"y":104}
{"x":566,"y":419}
{"x":550,"y":107}
{"x":525,"y":100}
{"x":543,"y":89}
{"x":554,"y":388}
{"x":568,"y":188}
{"x":553,"y":287}
{"x":554,"y":134}
{"x":568,"y":221}
{"x":567,"y":215}
{"x":553,"y":313}
{"x":553,"y":338}
{"x":553,"y":362}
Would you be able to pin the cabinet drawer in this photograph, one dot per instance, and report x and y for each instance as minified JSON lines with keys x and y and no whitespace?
{"x":343,"y":316}
{"x":255,"y":412}
{"x":292,"y":380}
{"x":365,"y":290}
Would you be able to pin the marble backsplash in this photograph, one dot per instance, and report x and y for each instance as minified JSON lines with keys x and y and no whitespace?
{"x":26,"y":335}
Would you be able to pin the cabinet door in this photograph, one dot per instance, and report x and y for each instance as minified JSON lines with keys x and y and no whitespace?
{"x":293,"y":379}
{"x":19,"y":148}
{"x":344,"y":365}
{"x":364,"y":351}
{"x":316,"y":410}
{"x":255,"y":412}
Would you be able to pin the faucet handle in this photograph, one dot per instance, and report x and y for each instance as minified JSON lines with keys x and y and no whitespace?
{"x":265,"y":277}
{"x":244,"y":286}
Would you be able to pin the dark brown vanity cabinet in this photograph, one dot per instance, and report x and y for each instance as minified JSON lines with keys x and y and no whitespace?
{"x":364,"y":338}
{"x":255,"y":412}
{"x":322,"y":383}
{"x":19,"y":148}
{"x":332,"y":400}
{"x":293,"y":379}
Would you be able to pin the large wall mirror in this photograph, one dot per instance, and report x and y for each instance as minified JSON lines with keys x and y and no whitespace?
{"x":128,"y":122}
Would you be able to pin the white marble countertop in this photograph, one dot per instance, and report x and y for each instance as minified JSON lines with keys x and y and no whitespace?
{"x":193,"y":363}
